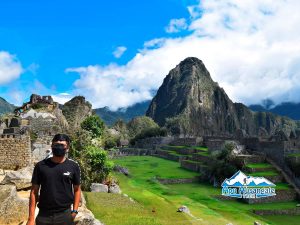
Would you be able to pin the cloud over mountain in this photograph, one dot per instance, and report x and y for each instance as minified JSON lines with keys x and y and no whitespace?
{"x":251,"y":48}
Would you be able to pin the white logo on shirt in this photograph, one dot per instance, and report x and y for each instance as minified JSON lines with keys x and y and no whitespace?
{"x":67,"y":173}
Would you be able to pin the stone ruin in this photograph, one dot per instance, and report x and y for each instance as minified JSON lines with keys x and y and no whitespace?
{"x":15,"y":145}
{"x":46,"y":101}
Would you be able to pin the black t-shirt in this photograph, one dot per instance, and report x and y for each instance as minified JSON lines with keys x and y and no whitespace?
{"x":56,"y":181}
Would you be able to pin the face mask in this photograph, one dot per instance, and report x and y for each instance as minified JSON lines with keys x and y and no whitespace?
{"x":58,"y":150}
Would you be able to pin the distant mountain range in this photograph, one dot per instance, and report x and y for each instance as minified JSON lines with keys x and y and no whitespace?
{"x":126,"y":114}
{"x":289,"y":109}
{"x":6,"y":107}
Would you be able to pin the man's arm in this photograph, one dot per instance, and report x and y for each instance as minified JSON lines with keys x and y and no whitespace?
{"x":77,"y":194}
{"x":32,"y":203}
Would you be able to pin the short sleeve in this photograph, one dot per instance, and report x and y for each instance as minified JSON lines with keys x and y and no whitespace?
{"x":36,"y":175}
{"x":76,"y":176}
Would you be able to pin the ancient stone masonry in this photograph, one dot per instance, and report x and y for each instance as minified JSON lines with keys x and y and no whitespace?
{"x":35,"y":100}
{"x":15,"y":151}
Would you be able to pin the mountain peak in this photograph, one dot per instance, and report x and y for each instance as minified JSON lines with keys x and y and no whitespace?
{"x":189,"y":102}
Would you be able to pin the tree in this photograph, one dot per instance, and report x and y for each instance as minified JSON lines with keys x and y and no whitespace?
{"x":137,"y":124}
{"x":94,"y":125}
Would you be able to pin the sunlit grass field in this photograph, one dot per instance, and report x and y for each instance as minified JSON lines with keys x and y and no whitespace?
{"x":156,"y":203}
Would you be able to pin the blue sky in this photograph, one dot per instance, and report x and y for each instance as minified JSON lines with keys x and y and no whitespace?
{"x":51,"y":36}
{"x":117,"y":52}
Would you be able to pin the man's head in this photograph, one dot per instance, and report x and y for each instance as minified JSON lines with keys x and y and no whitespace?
{"x":60,"y":144}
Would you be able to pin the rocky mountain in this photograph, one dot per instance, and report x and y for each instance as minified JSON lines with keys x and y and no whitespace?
{"x":289,"y":109}
{"x":126,"y":114}
{"x":5,"y":107}
{"x":189,"y":102}
{"x":76,"y":110}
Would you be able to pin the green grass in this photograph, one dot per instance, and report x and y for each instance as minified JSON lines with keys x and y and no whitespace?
{"x":175,"y":153}
{"x":195,"y":162}
{"x":283,"y":186}
{"x":149,"y":167}
{"x":177,"y":146}
{"x":113,"y":208}
{"x":293,"y":155}
{"x":283,"y":219}
{"x":264,"y":173}
{"x":259,"y":165}
{"x":202,"y":153}
{"x":200,"y":148}
{"x":165,"y":199}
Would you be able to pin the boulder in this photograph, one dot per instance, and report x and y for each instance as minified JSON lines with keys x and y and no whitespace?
{"x":21,"y":178}
{"x":85,"y":216}
{"x":121,"y":169}
{"x":13,"y":209}
{"x":114,"y":188}
{"x":96,"y":187}
{"x":184,"y":209}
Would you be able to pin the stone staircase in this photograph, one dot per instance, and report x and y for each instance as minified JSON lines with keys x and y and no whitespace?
{"x":259,"y":166}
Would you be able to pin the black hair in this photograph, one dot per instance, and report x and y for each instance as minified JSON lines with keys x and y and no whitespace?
{"x":61,"y":137}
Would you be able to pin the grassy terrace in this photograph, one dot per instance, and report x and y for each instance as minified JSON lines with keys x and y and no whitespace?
{"x":259,"y":165}
{"x":177,"y":146}
{"x":148,"y":167}
{"x":156,"y":203}
{"x":264,"y":173}
{"x":175,"y":153}
{"x":283,"y":186}
{"x":294,"y":155}
{"x":202,"y":153}
{"x":200,"y":148}
{"x":195,"y":162}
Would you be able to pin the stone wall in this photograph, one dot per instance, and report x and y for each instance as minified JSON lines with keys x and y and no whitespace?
{"x":130,"y":152}
{"x":178,"y":180}
{"x":281,"y":196}
{"x":152,"y":142}
{"x":187,"y":141}
{"x":274,"y":150}
{"x":215,"y":144}
{"x":15,"y":151}
{"x":44,"y":126}
{"x":41,"y":147}
{"x":293,"y":211}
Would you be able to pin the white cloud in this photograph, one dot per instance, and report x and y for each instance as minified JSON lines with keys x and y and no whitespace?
{"x":62,"y":98}
{"x":33,"y":68}
{"x":10,"y":67}
{"x":176,"y":25}
{"x":251,"y":48}
{"x":119,"y":51}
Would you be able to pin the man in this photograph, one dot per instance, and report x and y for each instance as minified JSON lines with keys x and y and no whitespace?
{"x":58,"y":180}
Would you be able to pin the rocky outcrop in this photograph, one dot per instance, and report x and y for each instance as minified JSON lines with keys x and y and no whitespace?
{"x":85,"y":216}
{"x":75,"y":111}
{"x":114,"y":188}
{"x":13,"y":209}
{"x":189,"y":102}
{"x":21,"y":178}
{"x":96,"y":187}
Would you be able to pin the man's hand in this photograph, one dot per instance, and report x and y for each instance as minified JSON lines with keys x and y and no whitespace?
{"x":30,"y":222}
{"x":74,"y":215}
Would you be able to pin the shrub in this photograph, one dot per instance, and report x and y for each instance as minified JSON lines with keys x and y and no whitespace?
{"x":150,"y":132}
{"x":94,"y":125}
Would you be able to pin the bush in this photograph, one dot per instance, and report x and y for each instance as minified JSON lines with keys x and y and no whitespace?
{"x":150,"y":132}
{"x":138,"y":124}
{"x":93,"y":161}
{"x":94,"y":125}
{"x":222,"y":165}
